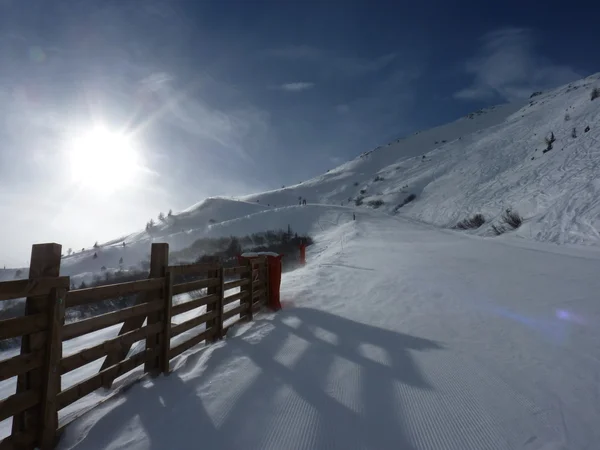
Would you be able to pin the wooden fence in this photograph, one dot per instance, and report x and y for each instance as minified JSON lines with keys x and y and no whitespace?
{"x":152,"y":318}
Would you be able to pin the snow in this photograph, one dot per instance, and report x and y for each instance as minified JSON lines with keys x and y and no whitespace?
{"x":395,"y":335}
{"x":398,"y":333}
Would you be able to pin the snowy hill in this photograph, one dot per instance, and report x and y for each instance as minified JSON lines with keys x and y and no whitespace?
{"x":398,"y":333}
{"x":485,"y":162}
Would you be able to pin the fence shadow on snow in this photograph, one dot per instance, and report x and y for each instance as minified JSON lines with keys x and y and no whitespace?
{"x":300,"y":379}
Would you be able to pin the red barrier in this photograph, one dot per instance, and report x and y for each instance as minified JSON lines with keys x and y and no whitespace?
{"x":302,"y":254}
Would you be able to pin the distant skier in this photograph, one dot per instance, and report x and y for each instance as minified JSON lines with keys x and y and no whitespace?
{"x":353,"y":216}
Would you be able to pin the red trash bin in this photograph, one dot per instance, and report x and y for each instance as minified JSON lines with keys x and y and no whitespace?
{"x":274,"y":263}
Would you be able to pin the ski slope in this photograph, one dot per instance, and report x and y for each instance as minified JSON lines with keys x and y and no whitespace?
{"x":396,"y":335}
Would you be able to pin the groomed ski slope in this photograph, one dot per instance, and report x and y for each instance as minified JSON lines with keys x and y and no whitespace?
{"x":396,"y":335}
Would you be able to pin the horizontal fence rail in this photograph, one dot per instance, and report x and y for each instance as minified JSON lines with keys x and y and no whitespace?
{"x":176,"y":308}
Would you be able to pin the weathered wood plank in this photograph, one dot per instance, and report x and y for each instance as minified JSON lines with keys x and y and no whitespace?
{"x":28,"y":288}
{"x":87,"y":355}
{"x":96,"y":294}
{"x":232,"y":298}
{"x":193,"y":304}
{"x":20,"y":364}
{"x":236,"y":283}
{"x":159,"y":264}
{"x":18,"y":403}
{"x":215,"y":306}
{"x":232,"y":312}
{"x":229,"y":271}
{"x":92,"y":324}
{"x":157,"y":270}
{"x":22,"y":326}
{"x":188,"y":269}
{"x":45,"y":262}
{"x":18,"y":441}
{"x":189,"y":324}
{"x":53,"y":355}
{"x":217,"y":322}
{"x":167,"y":313}
{"x":131,"y":325}
{"x":80,"y":390}
{"x":179,"y":349}
{"x":194,"y":285}
{"x":248,"y":300}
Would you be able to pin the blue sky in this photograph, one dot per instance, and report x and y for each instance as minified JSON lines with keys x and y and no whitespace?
{"x":231,"y":97}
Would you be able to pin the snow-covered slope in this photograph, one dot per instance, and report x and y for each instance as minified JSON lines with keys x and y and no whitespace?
{"x":485,"y":162}
{"x":396,"y":335}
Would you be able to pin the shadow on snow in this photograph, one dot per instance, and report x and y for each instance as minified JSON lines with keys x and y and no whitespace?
{"x":309,"y":379}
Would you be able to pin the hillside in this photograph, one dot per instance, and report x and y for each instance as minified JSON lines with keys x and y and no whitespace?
{"x":396,"y":335}
{"x":399,"y":332}
{"x":484,"y":162}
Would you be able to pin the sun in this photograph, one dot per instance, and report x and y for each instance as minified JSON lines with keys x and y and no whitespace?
{"x":103,"y":161}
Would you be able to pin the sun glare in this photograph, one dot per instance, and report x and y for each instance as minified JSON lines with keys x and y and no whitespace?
{"x":102,"y":160}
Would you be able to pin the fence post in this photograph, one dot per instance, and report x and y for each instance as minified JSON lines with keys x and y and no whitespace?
{"x":159,"y":262}
{"x":51,"y":368}
{"x":217,"y":322}
{"x":249,"y":300}
{"x":45,"y":262}
{"x":166,"y":331}
{"x":220,"y":306}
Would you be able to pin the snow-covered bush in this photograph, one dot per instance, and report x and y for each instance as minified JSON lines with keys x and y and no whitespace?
{"x":407,"y":200}
{"x":470,"y":223}
{"x":512,"y":219}
{"x":375,"y":203}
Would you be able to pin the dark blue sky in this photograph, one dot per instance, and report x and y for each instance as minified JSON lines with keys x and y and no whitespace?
{"x":228,"y":97}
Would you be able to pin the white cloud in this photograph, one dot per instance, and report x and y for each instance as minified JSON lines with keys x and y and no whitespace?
{"x":297,"y":86}
{"x":507,"y":66}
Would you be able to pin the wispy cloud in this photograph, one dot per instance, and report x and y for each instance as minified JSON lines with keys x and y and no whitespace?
{"x":234,"y":129}
{"x":508,"y":66}
{"x":297,"y":86}
{"x":331,"y":63}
